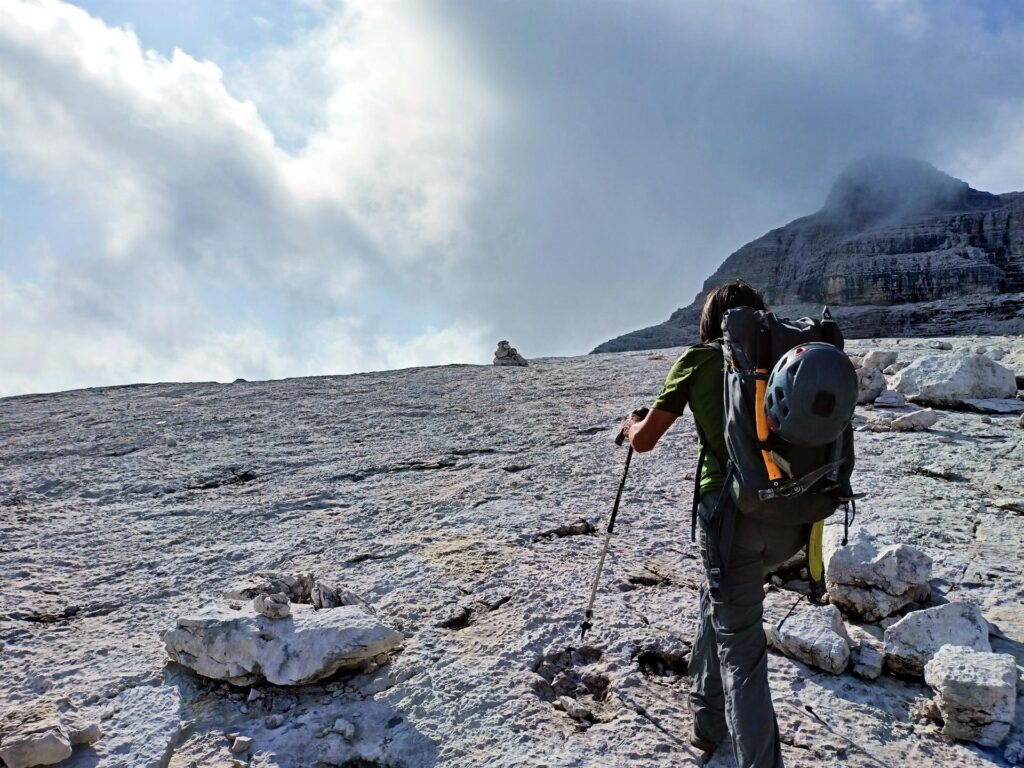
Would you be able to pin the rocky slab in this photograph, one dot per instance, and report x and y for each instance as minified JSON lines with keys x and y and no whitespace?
{"x":244,"y":646}
{"x":816,"y":636}
{"x":952,"y":379}
{"x":976,"y":693}
{"x":912,"y":641}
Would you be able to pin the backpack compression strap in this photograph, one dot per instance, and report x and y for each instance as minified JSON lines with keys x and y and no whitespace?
{"x":760,"y":417}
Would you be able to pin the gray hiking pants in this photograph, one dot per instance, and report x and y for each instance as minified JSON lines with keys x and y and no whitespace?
{"x":728,"y":666}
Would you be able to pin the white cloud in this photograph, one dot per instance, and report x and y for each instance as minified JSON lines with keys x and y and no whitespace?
{"x":190,"y":189}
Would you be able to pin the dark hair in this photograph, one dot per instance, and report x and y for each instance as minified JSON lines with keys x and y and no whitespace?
{"x":723,"y":298}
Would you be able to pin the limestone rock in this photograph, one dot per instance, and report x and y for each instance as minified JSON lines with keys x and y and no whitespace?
{"x":892,"y":370}
{"x":344,"y":728}
{"x":918,"y":421}
{"x":298,"y":587}
{"x":244,"y":647}
{"x":880,"y":358}
{"x":241,"y":744}
{"x":140,"y":732}
{"x":870,"y":383}
{"x":815,"y":636}
{"x":890,"y":399}
{"x":276,"y":606}
{"x":976,"y":693}
{"x":911,"y":642}
{"x":866,"y":653}
{"x":950,"y":379}
{"x":506,"y":354}
{"x":34,"y":736}
{"x":272,"y":606}
{"x":873,"y":581}
{"x":943,"y":345}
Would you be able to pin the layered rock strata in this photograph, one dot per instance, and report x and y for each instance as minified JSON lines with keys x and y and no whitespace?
{"x":899,"y":249}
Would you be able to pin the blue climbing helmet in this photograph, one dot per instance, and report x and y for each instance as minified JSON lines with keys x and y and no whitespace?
{"x":811,"y":394}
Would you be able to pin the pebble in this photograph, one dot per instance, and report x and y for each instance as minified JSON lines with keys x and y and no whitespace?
{"x":241,"y":744}
{"x":274,"y":721}
{"x":344,"y":728}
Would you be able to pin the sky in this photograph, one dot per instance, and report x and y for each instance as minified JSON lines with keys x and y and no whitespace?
{"x":209,"y":189}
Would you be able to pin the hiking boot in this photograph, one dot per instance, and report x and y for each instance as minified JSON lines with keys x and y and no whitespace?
{"x":706,"y":746}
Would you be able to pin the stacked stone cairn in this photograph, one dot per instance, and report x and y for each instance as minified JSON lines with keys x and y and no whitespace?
{"x":506,"y":354}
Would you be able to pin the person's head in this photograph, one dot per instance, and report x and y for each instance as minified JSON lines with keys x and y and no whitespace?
{"x":720,"y":300}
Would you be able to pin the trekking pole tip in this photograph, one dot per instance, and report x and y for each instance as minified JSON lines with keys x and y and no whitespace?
{"x":585,"y":624}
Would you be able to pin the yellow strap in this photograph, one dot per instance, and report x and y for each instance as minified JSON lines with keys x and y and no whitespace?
{"x":815,"y":558}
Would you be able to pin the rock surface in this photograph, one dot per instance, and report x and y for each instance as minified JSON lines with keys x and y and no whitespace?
{"x":945,"y":380}
{"x":976,"y":693}
{"x":33,"y":737}
{"x":912,"y":641}
{"x":890,"y":399}
{"x":244,"y":647}
{"x":142,"y":726}
{"x":424,"y":489}
{"x":918,"y":421}
{"x":871,"y":580}
{"x":870,"y":384}
{"x":816,"y":636}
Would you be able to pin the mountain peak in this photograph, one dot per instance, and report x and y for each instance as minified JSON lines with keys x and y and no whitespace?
{"x":889,"y":187}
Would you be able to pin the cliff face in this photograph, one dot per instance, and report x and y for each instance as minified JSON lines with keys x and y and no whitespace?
{"x":898,"y":247}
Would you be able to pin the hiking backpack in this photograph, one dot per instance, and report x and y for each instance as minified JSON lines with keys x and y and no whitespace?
{"x":770,"y":479}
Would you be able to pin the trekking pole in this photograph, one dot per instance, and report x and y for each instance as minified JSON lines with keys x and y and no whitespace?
{"x":587,"y":622}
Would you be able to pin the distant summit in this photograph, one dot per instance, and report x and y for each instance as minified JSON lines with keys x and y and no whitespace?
{"x":899,"y":249}
{"x":884,"y":188}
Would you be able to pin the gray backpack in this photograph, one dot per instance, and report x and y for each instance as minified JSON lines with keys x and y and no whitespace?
{"x":769,"y":479}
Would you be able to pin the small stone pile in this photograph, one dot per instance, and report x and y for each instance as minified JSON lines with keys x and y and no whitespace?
{"x":506,"y":354}
{"x":948,"y":645}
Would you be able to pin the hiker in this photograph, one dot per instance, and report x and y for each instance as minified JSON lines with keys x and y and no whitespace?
{"x":728,"y":667}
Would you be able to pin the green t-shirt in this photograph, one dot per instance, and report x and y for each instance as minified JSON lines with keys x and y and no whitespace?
{"x":696,"y":380}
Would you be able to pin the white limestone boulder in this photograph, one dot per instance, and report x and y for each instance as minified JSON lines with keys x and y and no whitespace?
{"x":245,"y":647}
{"x":866,"y":657}
{"x":880,"y":358}
{"x":873,"y":581}
{"x":976,"y":693}
{"x":33,"y":736}
{"x":911,"y":642}
{"x":890,"y":399}
{"x":918,"y":421}
{"x":945,"y":380}
{"x":816,"y":636}
{"x":870,"y":384}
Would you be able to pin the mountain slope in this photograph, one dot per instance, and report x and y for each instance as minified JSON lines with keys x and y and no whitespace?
{"x":899,"y":248}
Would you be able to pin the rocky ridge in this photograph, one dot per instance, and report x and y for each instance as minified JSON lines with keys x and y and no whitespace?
{"x":898,"y":249}
{"x":459,"y":506}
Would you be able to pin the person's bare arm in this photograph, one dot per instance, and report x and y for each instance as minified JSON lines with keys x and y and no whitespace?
{"x":644,"y":435}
